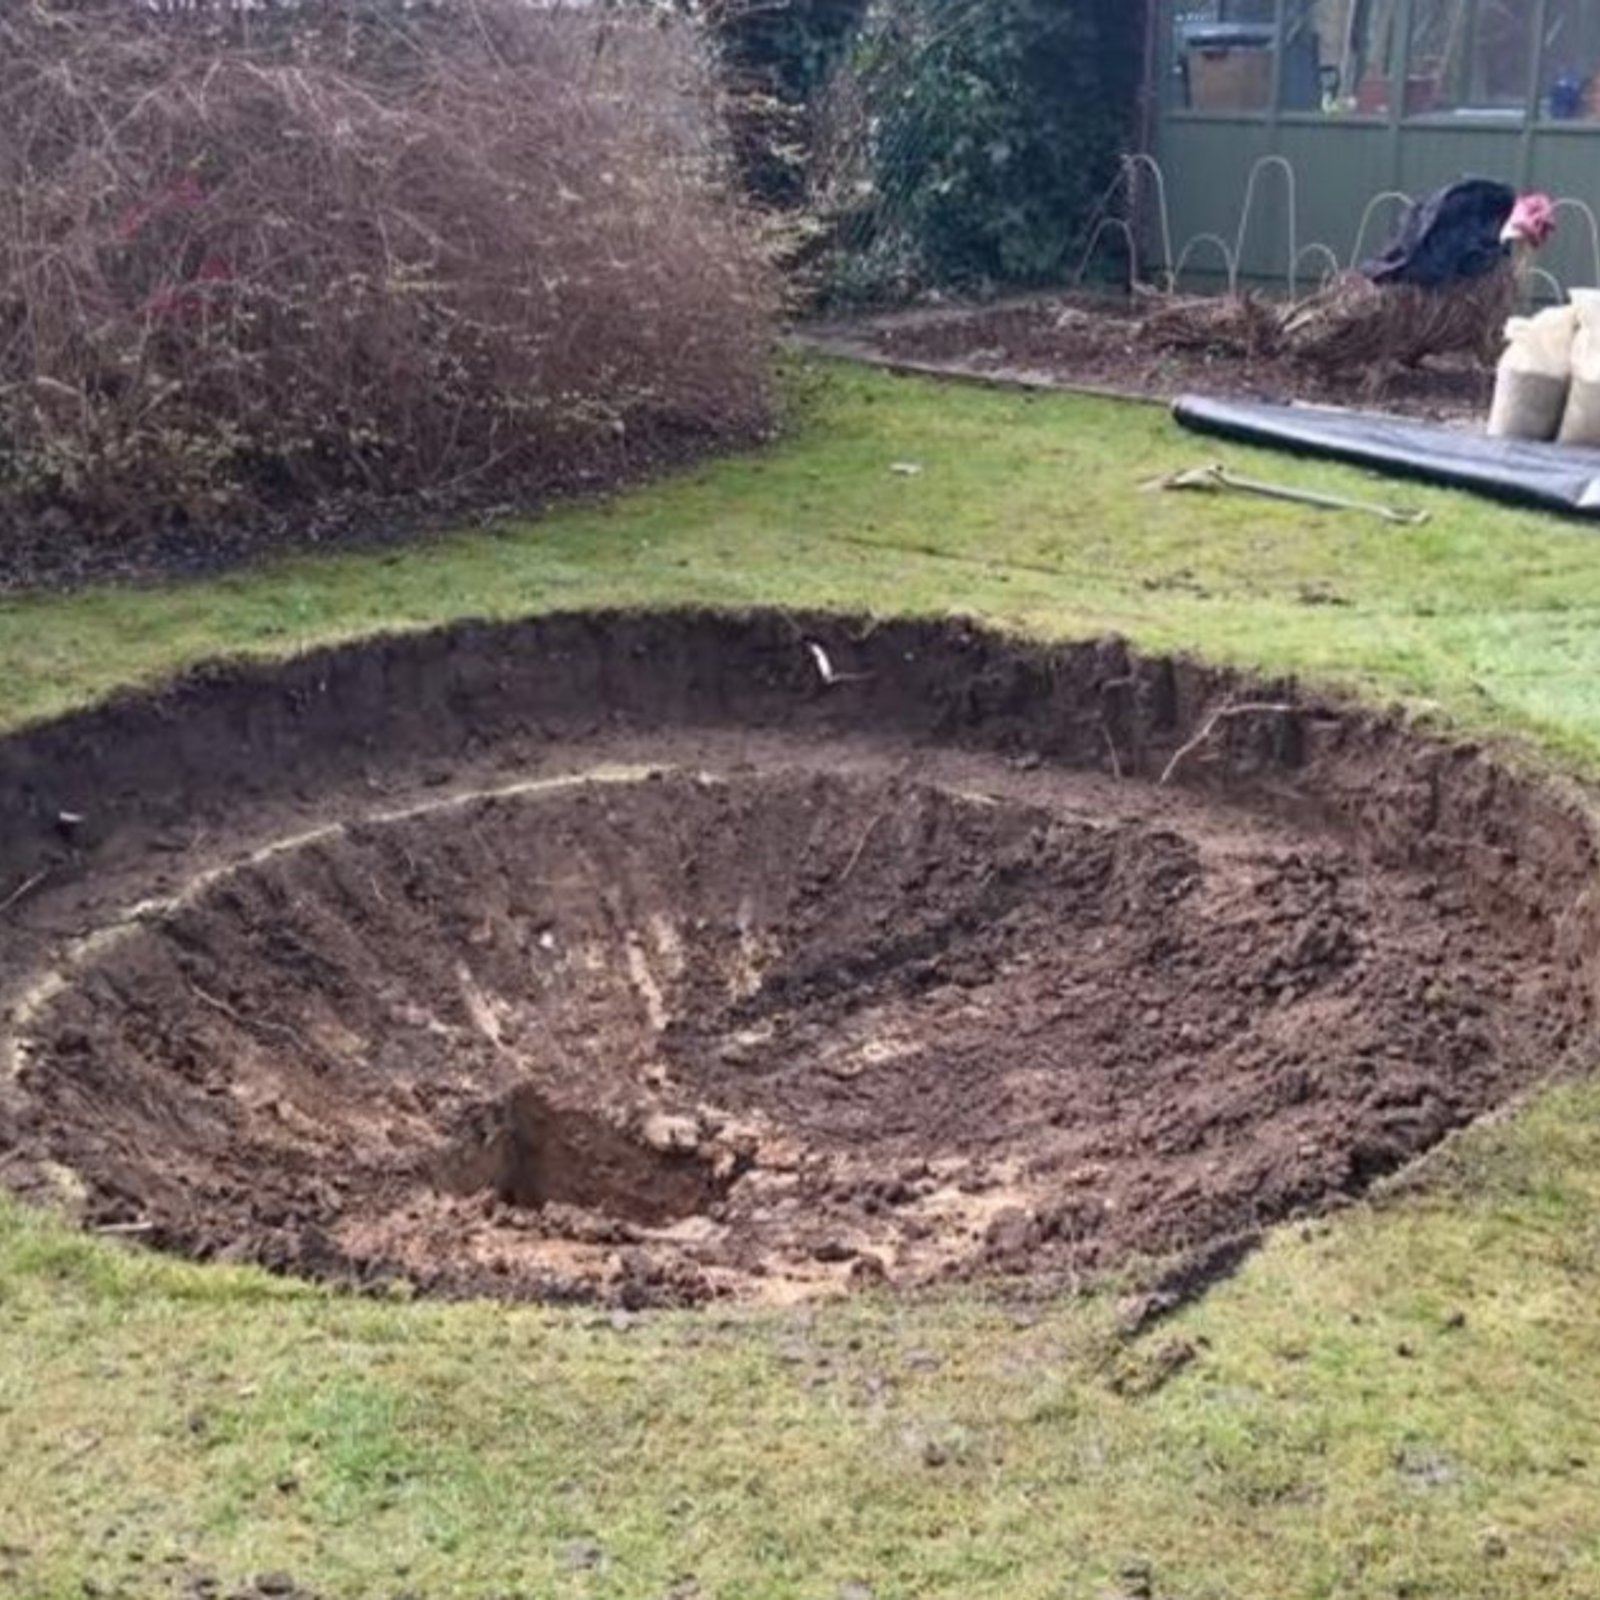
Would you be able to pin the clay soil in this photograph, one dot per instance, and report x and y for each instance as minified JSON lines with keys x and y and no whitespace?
{"x":618,"y":958}
{"x":1099,"y":343}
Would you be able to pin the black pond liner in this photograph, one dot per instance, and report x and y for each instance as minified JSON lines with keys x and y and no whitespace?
{"x":1552,"y":477}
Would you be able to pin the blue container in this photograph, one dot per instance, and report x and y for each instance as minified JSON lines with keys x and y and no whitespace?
{"x":1566,"y":98}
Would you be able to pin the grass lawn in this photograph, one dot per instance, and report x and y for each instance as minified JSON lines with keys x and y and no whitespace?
{"x":1402,"y":1402}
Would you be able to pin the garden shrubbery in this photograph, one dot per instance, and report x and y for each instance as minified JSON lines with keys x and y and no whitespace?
{"x":255,"y":261}
{"x":965,"y":144}
{"x":921,"y":144}
{"x":777,"y":57}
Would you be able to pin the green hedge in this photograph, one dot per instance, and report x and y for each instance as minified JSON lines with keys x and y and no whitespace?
{"x":939,"y":143}
{"x":779,"y":56}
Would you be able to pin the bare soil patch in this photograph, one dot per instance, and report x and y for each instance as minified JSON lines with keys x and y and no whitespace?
{"x":49,"y":554}
{"x":1098,"y":342}
{"x":617,"y":958}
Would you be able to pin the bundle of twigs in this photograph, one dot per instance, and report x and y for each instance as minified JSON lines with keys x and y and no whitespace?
{"x":1243,"y":325}
{"x":1355,"y":325}
{"x":1352,"y":327}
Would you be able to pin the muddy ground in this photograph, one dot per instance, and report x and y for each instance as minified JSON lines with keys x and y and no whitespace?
{"x":621,"y":958}
{"x":1098,"y":342}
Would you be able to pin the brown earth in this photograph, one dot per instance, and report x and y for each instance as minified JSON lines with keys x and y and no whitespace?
{"x":51,"y":552}
{"x":617,"y":957}
{"x":1097,"y":342}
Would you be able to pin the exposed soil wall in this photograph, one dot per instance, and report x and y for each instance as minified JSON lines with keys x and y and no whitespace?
{"x":621,"y":955}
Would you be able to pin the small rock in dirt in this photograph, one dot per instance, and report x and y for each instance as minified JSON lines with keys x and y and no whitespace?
{"x":274,"y":1583}
{"x":934,"y":1454}
{"x":1011,"y":1233}
{"x":1455,"y":1321}
{"x":923,"y":1361}
{"x":1495,"y":1547}
{"x":834,"y":1250}
{"x":671,"y":1135}
{"x":855,"y":1591}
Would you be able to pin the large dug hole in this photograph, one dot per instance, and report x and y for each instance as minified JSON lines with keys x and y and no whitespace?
{"x":774,"y":1016}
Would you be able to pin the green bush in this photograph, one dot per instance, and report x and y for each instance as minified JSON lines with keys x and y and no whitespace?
{"x":778,"y":56}
{"x":966,"y":141}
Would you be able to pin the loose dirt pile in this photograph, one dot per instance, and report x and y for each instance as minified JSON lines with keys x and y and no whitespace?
{"x":769,"y":994}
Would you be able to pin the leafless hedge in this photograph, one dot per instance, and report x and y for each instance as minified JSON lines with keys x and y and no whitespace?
{"x":251,"y":259}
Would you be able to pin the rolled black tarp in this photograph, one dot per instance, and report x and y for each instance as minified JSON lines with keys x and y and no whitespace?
{"x":1553,"y":477}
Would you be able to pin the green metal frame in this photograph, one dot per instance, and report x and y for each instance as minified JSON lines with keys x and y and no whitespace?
{"x":1400,"y":70}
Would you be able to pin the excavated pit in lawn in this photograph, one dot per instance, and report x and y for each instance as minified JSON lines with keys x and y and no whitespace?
{"x":621,"y":957}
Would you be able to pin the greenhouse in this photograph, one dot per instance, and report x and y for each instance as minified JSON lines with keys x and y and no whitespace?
{"x":1362,"y":100}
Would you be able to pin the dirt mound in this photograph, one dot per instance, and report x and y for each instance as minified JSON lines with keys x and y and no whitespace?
{"x":765,"y":1000}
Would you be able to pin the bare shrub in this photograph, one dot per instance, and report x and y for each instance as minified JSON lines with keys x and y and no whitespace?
{"x":256,"y":259}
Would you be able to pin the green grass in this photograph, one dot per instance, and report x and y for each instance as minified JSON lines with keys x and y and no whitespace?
{"x":1027,"y":510}
{"x":1403,"y":1402}
{"x":1342,"y":1431}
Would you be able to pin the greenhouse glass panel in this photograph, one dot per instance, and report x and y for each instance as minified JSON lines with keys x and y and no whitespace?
{"x":1339,"y":56}
{"x":1569,"y":78}
{"x":1223,"y":56}
{"x":1471,"y":59}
